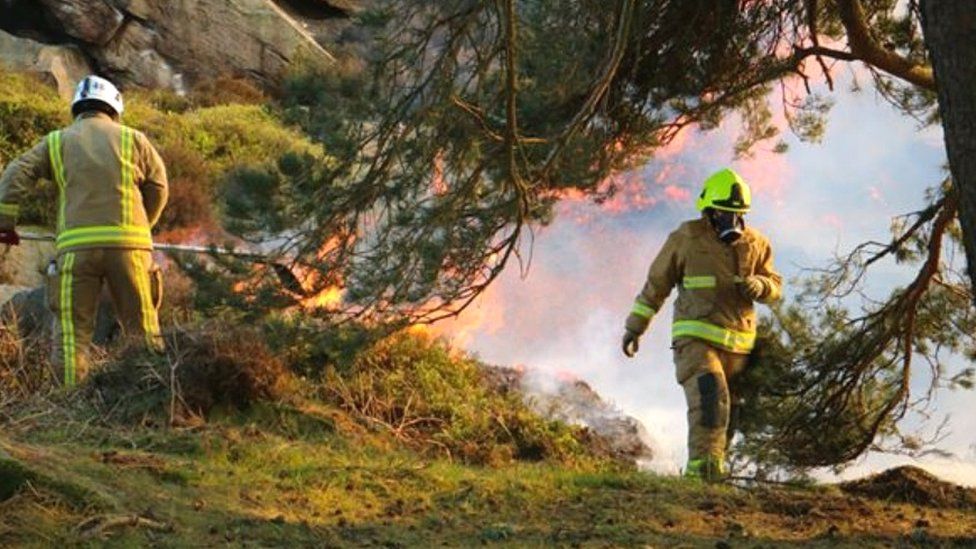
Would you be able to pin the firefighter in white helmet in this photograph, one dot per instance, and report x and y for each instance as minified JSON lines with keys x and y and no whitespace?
{"x":720,"y":267}
{"x":112,"y":188}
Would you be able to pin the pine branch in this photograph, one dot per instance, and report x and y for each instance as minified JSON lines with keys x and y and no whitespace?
{"x":865,"y":48}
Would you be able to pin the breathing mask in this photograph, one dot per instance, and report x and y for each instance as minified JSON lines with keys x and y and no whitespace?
{"x":728,"y":225}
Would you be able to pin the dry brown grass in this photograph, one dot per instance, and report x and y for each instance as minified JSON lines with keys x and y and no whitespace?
{"x":25,"y":366}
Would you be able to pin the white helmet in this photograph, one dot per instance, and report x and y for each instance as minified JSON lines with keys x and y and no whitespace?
{"x":96,"y":88}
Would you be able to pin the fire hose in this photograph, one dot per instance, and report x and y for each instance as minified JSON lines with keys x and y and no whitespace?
{"x":283,"y":271}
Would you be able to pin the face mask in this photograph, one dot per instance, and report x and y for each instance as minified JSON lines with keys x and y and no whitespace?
{"x":728,"y":225}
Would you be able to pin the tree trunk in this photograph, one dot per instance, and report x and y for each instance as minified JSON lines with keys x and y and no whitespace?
{"x":950,"y":35}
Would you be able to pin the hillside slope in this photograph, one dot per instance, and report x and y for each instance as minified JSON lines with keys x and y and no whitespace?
{"x":229,"y":448}
{"x":282,"y":431}
{"x":282,"y":477}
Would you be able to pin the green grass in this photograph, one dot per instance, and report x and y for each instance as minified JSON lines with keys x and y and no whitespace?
{"x":267,"y":478}
{"x":317,"y":466}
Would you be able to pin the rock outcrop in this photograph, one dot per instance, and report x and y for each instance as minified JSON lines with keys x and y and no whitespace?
{"x":25,"y":265}
{"x":93,"y":23}
{"x":63,"y":66}
{"x":164,"y":43}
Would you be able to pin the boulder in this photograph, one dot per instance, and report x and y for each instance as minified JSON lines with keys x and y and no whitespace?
{"x":205,"y":38}
{"x":25,"y":265}
{"x":62,"y":66}
{"x":139,"y":9}
{"x":134,"y":57}
{"x":92,"y":22}
{"x":27,"y":309}
{"x":154,"y":43}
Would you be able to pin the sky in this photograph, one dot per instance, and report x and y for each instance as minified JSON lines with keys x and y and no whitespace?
{"x":566,"y":316}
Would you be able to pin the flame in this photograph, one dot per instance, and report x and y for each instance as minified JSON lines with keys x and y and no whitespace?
{"x":328,"y":298}
{"x":420,"y":329}
{"x":486,"y":315}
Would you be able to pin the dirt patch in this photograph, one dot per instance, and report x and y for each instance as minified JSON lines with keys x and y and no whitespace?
{"x":915,"y":486}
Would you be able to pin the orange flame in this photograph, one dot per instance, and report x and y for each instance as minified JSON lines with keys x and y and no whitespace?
{"x":328,"y":298}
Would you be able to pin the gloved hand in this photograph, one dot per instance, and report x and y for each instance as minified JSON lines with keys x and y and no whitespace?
{"x":751,"y":287}
{"x":9,"y":237}
{"x":631,"y":343}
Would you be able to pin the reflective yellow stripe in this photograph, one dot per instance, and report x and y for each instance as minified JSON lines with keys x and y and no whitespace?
{"x":698,"y":282}
{"x":127,"y":177}
{"x":642,"y":310}
{"x":146,"y":308}
{"x":134,"y":237}
{"x":705,"y":468}
{"x":737,"y":342}
{"x":57,"y":166}
{"x":67,"y":321}
{"x":13,"y":210}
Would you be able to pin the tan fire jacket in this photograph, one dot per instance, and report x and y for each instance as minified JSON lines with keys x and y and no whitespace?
{"x":111,"y":182}
{"x":705,"y":270}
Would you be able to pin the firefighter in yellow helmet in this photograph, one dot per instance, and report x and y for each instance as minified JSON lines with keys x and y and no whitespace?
{"x":720,"y":267}
{"x":112,"y":188}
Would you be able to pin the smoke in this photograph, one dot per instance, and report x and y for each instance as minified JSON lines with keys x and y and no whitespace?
{"x":564,"y":322}
{"x":566,"y":317}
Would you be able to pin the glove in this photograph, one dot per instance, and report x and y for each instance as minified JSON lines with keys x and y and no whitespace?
{"x":631,"y":343}
{"x":9,"y":237}
{"x":751,"y":287}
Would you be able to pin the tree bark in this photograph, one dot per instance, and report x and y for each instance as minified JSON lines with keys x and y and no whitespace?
{"x":949,"y":27}
{"x":867,"y":49}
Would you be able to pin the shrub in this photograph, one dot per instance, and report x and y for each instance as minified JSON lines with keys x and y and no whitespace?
{"x":201,"y":369}
{"x":438,"y":402}
{"x":226,"y":90}
{"x":220,"y":128}
{"x":29,"y":109}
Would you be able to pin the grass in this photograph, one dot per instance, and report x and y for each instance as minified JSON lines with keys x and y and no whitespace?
{"x":318,"y":467}
{"x":281,"y":475}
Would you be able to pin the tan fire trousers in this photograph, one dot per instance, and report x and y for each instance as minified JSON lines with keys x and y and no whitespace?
{"x":73,"y":292}
{"x":704,"y":372}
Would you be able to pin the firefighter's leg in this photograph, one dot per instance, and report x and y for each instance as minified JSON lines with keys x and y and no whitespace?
{"x":733,"y":364}
{"x":702,"y":376}
{"x":73,"y":297}
{"x":130,"y":281}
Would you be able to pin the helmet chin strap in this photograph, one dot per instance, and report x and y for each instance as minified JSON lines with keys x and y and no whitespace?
{"x":728,"y":225}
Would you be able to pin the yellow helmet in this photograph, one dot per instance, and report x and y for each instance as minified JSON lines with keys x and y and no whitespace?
{"x":725,"y":190}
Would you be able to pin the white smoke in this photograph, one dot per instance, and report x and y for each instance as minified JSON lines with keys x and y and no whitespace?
{"x":567,"y":316}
